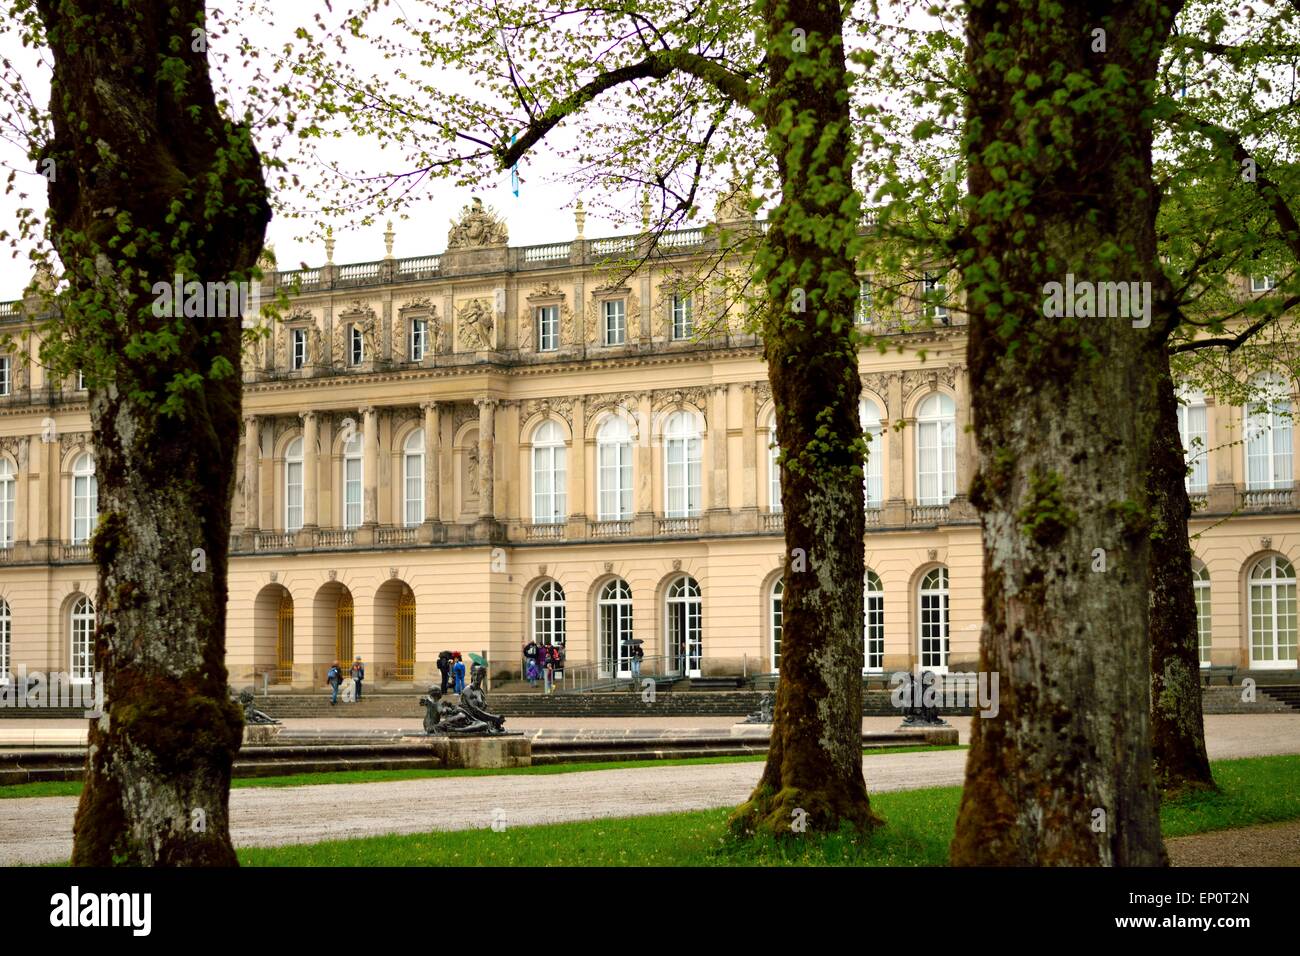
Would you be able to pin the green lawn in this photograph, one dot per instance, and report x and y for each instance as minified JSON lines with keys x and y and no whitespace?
{"x":72,"y":788}
{"x":919,"y":827}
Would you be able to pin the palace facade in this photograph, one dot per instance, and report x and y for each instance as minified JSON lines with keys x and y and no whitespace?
{"x":574,"y":442}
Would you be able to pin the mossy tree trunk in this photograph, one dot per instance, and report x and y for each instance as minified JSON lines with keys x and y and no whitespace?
{"x":152,"y":181}
{"x":1177,"y":724}
{"x":1065,"y":410}
{"x":814,"y":762}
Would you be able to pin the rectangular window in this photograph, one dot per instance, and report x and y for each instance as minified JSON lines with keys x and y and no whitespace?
{"x":352,"y":493}
{"x":683,"y":320}
{"x":414,"y":490}
{"x":1203,"y":634}
{"x":8,"y":499}
{"x":873,"y":480}
{"x":615,"y":481}
{"x":299,"y":356}
{"x":615,"y":314}
{"x":356,"y":346}
{"x":864,"y":302}
{"x":682,"y":456}
{"x":935,"y":298}
{"x":419,"y":339}
{"x":81,"y":380}
{"x":1262,"y":283}
{"x":548,"y":328}
{"x":4,"y":375}
{"x":1194,"y":435}
{"x":85,"y":507}
{"x":293,"y":496}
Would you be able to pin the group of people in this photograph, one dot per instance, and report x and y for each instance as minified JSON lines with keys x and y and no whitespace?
{"x":334,"y":677}
{"x":452,"y":668}
{"x":541,"y":661}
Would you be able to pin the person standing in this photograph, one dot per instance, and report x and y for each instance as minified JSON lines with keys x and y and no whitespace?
{"x":531,"y":670}
{"x":334,"y":677}
{"x":458,"y":670}
{"x":637,"y":654}
{"x":358,"y":675}
{"x":444,"y":667}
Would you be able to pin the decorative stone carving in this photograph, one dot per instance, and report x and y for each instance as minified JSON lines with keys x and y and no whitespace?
{"x":364,"y":317}
{"x":71,"y":440}
{"x":541,"y":570}
{"x":561,"y":406}
{"x":695,"y":395}
{"x":609,"y":567}
{"x":632,"y":314}
{"x":477,"y":226}
{"x":334,"y":575}
{"x":598,"y":404}
{"x":928,"y":378}
{"x":677,"y":564}
{"x":474,"y":325}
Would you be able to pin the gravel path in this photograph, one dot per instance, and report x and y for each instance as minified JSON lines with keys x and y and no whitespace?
{"x":1277,"y":844}
{"x":38,"y":830}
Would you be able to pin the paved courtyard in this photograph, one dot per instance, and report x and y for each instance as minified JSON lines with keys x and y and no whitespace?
{"x":38,"y":830}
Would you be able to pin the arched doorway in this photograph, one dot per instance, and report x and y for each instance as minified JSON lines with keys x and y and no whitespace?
{"x":283,"y":672}
{"x":614,"y":619}
{"x":404,"y":635}
{"x":684,"y":627}
{"x":343,"y":627}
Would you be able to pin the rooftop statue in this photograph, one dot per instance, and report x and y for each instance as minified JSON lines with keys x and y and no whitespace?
{"x":477,"y":226}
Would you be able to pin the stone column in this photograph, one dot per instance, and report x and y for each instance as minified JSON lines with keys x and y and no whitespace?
{"x":252,"y":450}
{"x":961,"y":506}
{"x":719,"y":509}
{"x":750,"y":450}
{"x":310,"y":472}
{"x":369,"y":472}
{"x":432,"y":504}
{"x":643,"y":520}
{"x":1221,"y":434}
{"x":895,"y":506}
{"x":577,"y":469}
{"x":486,"y":445}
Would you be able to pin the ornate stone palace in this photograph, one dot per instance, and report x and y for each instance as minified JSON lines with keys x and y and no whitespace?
{"x":573,"y":442}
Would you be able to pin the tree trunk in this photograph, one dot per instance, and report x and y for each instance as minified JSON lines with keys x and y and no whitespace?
{"x":813,"y":777}
{"x":1065,"y":416}
{"x":1177,"y":727}
{"x":153,"y":182}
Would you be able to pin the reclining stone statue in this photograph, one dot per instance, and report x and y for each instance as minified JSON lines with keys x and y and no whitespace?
{"x":469,"y":717}
{"x":251,"y":714}
{"x":764,"y":714}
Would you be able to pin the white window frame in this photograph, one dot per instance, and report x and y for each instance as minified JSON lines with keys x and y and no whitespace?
{"x":683,"y":466}
{"x":549,"y":614}
{"x":81,"y":380}
{"x":1271,"y":600}
{"x":934,"y":624}
{"x":683,"y":318}
{"x":85,"y":498}
{"x":297,"y":349}
{"x":8,"y":503}
{"x":1194,"y":433}
{"x":1263,"y":283}
{"x":354,"y":505}
{"x":773,"y":470}
{"x":6,"y":382}
{"x":863,"y":316}
{"x":684,"y":626}
{"x":294,"y":486}
{"x":1268,"y":444}
{"x":1204,"y":622}
{"x":776,"y":622}
{"x":614,"y":470}
{"x":873,"y":472}
{"x":936,"y":450}
{"x":550,"y":474}
{"x":548,"y":328}
{"x":873,"y":624}
{"x":413,"y":479}
{"x":934,"y":291}
{"x":81,"y":641}
{"x":6,"y":640}
{"x":419,"y":338}
{"x":356,"y":345}
{"x":614,"y":321}
{"x":614,"y":630}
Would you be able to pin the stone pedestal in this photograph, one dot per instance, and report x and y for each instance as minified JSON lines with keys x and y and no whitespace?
{"x":261,"y":735}
{"x":493,"y":752}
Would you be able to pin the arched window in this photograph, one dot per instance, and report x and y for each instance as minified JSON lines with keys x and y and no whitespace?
{"x":1272,"y":614}
{"x":549,"y":474}
{"x":352,"y":477}
{"x":293,"y":486}
{"x":548,"y":614}
{"x":1193,"y":430}
{"x":685,"y":627}
{"x":614,"y":618}
{"x":85,"y":498}
{"x":82,"y":628}
{"x":1268,"y":434}
{"x":934,"y":620}
{"x":873,"y":625}
{"x":936,"y":450}
{"x":777,"y":611}
{"x":413,"y":478}
{"x":773,"y":469}
{"x":682,"y":468}
{"x":614,"y":470}
{"x":872,"y":481}
{"x":8,"y":500}
{"x":1201,"y":592}
{"x":5,"y":639}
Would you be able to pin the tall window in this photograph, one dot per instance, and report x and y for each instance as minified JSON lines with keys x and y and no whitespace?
{"x":614,"y":617}
{"x":5,"y":382}
{"x":549,"y":475}
{"x":934,"y":620}
{"x":82,"y":627}
{"x":293,"y":486}
{"x":1272,"y":614}
{"x":936,"y":450}
{"x":864,"y":302}
{"x":548,"y":614}
{"x":935,"y":296}
{"x":614,"y":470}
{"x":85,"y":498}
{"x":773,"y":470}
{"x":1194,"y":433}
{"x":352,"y":462}
{"x":8,"y":499}
{"x":1268,"y":435}
{"x":682,"y":469}
{"x":614,"y":312}
{"x":873,"y":625}
{"x":548,"y":328}
{"x":684,"y":627}
{"x":298,"y":357}
{"x":683,"y":321}
{"x":777,"y":611}
{"x":419,"y":339}
{"x":872,"y":477}
{"x":5,"y":639}
{"x":413,"y":478}
{"x":1201,"y":591}
{"x":356,"y":346}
